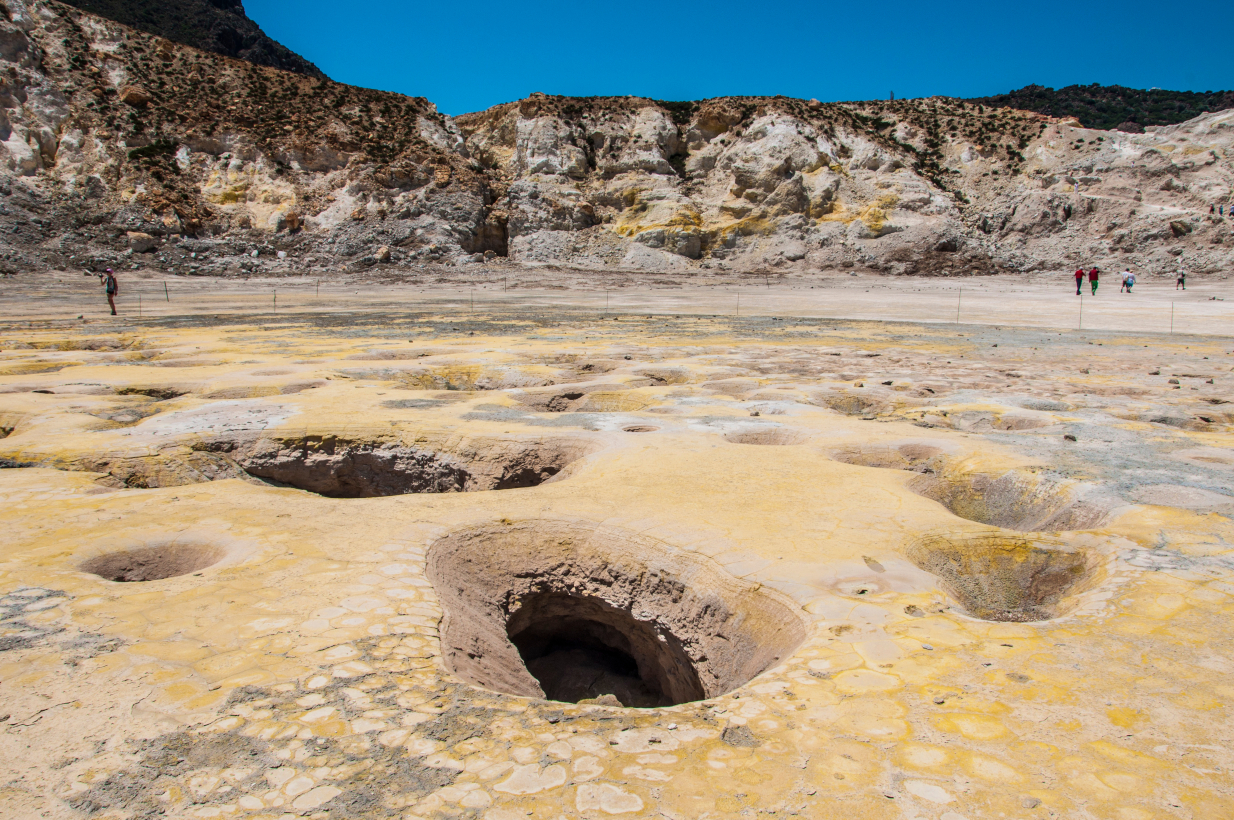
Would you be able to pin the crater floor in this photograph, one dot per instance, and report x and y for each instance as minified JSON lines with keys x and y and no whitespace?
{"x":325,"y":564}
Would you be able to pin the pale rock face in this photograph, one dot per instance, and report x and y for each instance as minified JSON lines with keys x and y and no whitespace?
{"x":646,"y":144}
{"x":444,"y":136}
{"x":23,"y":159}
{"x":766,"y":164}
{"x":547,"y":207}
{"x":545,"y":146}
{"x":629,"y":182}
{"x":681,"y":242}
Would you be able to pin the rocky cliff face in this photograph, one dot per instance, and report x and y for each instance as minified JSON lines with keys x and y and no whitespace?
{"x":220,"y":26}
{"x":120,"y":147}
{"x":919,"y":186}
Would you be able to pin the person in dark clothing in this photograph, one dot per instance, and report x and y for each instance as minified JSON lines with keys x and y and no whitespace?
{"x":1092,"y":280}
{"x":109,"y":282}
{"x":1079,"y":280}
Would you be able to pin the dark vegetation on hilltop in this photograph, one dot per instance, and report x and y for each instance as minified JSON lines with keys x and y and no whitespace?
{"x":220,"y":26}
{"x":1109,"y":106}
{"x":180,"y":95}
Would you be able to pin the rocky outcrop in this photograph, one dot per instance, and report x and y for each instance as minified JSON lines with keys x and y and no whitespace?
{"x":918,"y":187}
{"x":220,"y":26}
{"x":125,"y":149}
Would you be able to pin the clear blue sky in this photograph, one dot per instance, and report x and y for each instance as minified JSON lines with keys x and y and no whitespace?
{"x":469,"y":56}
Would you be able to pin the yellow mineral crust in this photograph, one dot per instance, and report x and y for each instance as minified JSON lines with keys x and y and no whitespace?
{"x":977,"y":619}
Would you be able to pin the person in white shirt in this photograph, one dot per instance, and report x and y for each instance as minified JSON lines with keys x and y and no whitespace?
{"x":1181,"y":281}
{"x":1130,"y":281}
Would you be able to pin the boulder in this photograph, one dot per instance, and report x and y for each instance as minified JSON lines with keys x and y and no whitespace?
{"x":23,"y":159}
{"x":135,"y":96}
{"x":383,"y":254}
{"x":680,"y":241}
{"x":139,"y":242}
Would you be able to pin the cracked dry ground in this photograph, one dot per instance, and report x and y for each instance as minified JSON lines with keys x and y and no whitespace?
{"x":329,"y":567}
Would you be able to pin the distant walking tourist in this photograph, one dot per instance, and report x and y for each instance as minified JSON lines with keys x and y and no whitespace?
{"x":109,"y":282}
{"x":1123,"y":281}
{"x":1130,"y":281}
{"x":1079,"y":280}
{"x":1212,"y":209}
{"x":1181,"y":282}
{"x":1092,"y":280}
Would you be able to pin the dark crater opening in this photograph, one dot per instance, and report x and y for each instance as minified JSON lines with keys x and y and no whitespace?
{"x":154,"y":563}
{"x":575,"y":612}
{"x":156,"y":393}
{"x":581,"y":648}
{"x":340,"y":467}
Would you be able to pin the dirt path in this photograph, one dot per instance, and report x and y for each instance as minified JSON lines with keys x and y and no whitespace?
{"x":1206,"y":308}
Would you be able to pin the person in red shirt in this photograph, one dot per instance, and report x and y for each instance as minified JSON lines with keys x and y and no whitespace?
{"x":1092,"y":280}
{"x":1079,"y":280}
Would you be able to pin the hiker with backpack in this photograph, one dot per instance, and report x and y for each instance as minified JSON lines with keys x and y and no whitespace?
{"x":108,"y":280}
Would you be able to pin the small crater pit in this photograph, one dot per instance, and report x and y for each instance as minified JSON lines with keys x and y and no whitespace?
{"x":573,"y":612}
{"x":997,"y":577}
{"x":156,"y":393}
{"x":1019,"y":499}
{"x":915,"y":456}
{"x":126,"y":416}
{"x":154,"y":563}
{"x":568,"y":400}
{"x":849,"y":404}
{"x":639,"y":428}
{"x":771,"y":436}
{"x":340,"y":467}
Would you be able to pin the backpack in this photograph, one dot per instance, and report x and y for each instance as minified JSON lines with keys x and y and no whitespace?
{"x":111,"y":286}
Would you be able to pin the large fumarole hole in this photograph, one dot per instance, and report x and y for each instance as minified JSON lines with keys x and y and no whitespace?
{"x":341,"y":467}
{"x":581,"y":648}
{"x":572,"y":611}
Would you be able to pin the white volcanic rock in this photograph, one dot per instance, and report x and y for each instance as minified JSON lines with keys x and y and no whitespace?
{"x":915,"y":186}
{"x":545,"y":145}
